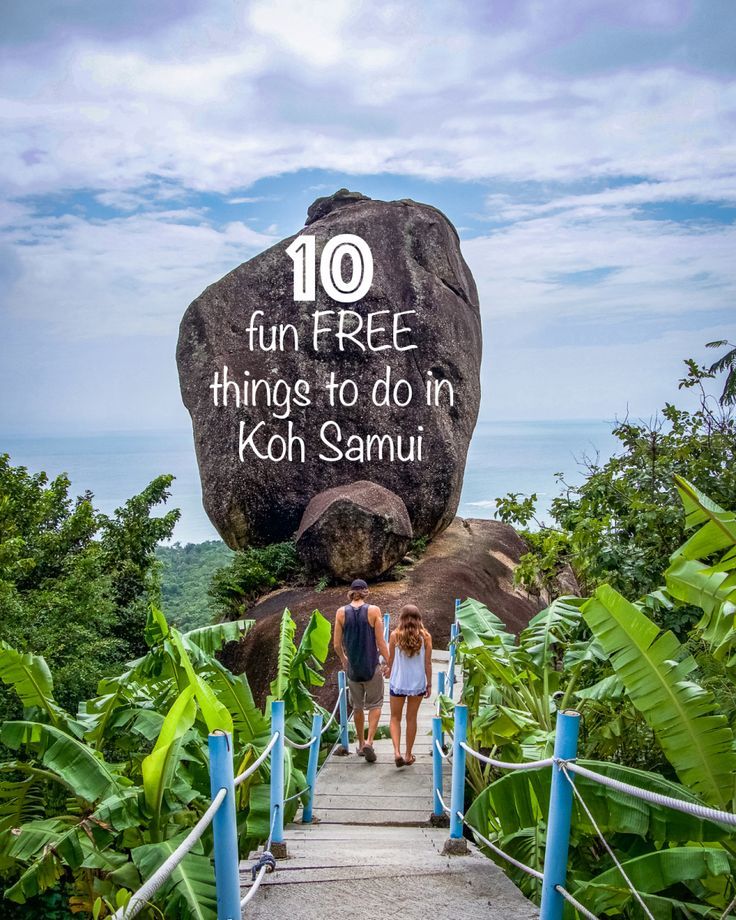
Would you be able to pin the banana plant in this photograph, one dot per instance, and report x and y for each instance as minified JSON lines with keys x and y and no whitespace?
{"x":646,"y":704}
{"x":102,"y":799}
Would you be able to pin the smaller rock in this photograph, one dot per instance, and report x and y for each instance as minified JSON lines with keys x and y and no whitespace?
{"x":360,"y":529}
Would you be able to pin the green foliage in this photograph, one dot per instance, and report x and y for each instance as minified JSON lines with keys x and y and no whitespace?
{"x":661,"y":713}
{"x":251,"y":573}
{"x":74,"y":583}
{"x":186,"y":573}
{"x":93,"y":803}
{"x":619,"y":525}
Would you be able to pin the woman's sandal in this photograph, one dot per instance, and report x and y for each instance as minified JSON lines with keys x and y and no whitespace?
{"x":410,"y":761}
{"x":399,"y":761}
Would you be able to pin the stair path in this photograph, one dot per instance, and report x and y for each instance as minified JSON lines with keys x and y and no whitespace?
{"x":371,"y":853}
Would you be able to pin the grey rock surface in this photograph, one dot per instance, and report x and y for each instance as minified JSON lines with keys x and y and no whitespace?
{"x":360,"y":529}
{"x":418,"y":267}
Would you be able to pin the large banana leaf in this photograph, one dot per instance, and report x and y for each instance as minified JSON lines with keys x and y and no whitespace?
{"x":79,"y":768}
{"x":550,"y":629}
{"x":287,"y":651}
{"x":652,"y":873}
{"x":719,"y":530}
{"x":211,"y":638}
{"x":477,"y":623}
{"x":46,"y":847}
{"x":190,"y":891}
{"x":693,"y":582}
{"x":521,"y":798}
{"x":30,"y":677}
{"x":233,"y":691}
{"x":312,"y":650}
{"x":694,"y":735}
{"x":215,"y":714}
{"x":158,"y":768}
{"x":20,"y":801}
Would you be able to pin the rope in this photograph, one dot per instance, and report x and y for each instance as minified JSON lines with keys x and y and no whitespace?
{"x":266,"y":863}
{"x":334,"y":712}
{"x":256,"y":763}
{"x":297,"y":795}
{"x":144,"y":894}
{"x":690,"y":808}
{"x":442,"y":802}
{"x":580,"y":908}
{"x":728,"y":910}
{"x":605,"y":843}
{"x":300,"y":747}
{"x":503,"y":765}
{"x":514,"y":862}
{"x":444,"y":755}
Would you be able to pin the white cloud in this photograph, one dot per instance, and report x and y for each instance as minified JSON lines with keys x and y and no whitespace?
{"x":127,"y":276}
{"x":410,"y":88}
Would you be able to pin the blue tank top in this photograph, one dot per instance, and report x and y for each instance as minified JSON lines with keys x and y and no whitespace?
{"x":359,"y":639}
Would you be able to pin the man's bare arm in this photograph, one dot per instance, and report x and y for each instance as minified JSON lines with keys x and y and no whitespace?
{"x":337,"y":638}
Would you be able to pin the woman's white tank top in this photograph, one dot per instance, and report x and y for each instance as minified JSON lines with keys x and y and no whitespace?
{"x":408,"y":676}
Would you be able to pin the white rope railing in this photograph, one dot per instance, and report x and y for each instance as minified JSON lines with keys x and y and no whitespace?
{"x":535,"y":873}
{"x":256,"y":763}
{"x":580,"y":908}
{"x":334,"y":712}
{"x":442,"y":802}
{"x":605,"y":843}
{"x":445,"y":755}
{"x":268,"y":865}
{"x":142,"y":897}
{"x":646,"y":795}
{"x":300,"y":747}
{"x":504,"y":765}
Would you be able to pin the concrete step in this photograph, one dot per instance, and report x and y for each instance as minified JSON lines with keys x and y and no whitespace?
{"x":334,"y":869}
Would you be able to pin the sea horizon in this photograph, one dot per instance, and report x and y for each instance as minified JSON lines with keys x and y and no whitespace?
{"x":510,"y":455}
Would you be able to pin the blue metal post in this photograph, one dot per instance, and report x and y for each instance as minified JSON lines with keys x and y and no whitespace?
{"x":277,"y":772}
{"x":386,"y":626}
{"x":437,"y":765}
{"x":558,"y":822}
{"x":343,"y":687}
{"x":457,"y":801}
{"x":312,"y":767}
{"x":224,"y":827}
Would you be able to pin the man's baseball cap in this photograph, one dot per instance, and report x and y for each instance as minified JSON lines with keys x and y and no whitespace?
{"x":359,"y":585}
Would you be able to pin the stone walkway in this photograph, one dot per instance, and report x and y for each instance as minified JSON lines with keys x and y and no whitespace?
{"x":372,"y":854}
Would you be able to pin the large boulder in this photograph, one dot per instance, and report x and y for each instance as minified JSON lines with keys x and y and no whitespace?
{"x":360,"y":529}
{"x":472,"y":558}
{"x":418,"y":267}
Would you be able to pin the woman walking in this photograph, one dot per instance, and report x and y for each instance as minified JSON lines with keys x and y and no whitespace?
{"x":410,"y":673}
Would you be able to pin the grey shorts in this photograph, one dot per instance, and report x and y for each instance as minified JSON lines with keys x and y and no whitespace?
{"x":367,"y":694}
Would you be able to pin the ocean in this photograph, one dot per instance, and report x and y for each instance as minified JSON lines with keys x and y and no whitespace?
{"x":503,"y":457}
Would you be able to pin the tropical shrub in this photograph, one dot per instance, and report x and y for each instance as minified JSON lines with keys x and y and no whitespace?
{"x":251,"y":573}
{"x":75,"y":584}
{"x":657,"y":713}
{"x":92,"y":804}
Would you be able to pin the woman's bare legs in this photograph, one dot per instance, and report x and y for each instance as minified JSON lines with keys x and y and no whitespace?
{"x":412,"y":708}
{"x":397,"y":710}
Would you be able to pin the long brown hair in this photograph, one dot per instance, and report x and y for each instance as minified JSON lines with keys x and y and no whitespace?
{"x":410,"y":631}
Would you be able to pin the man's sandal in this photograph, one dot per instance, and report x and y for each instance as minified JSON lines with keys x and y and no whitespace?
{"x":369,"y":753}
{"x":399,"y":761}
{"x":411,"y":760}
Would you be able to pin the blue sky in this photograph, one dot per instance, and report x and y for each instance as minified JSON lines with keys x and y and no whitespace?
{"x":585,"y":150}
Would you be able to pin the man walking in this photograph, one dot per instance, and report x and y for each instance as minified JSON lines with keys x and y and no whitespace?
{"x":358,"y":642}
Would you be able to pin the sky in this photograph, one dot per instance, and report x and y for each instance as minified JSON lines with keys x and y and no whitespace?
{"x":584,"y":149}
